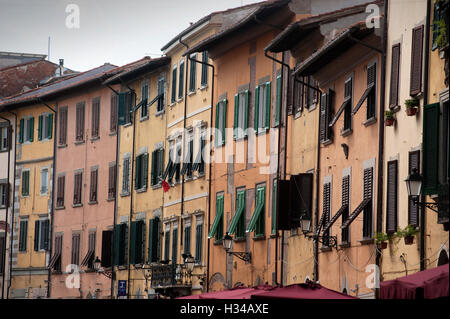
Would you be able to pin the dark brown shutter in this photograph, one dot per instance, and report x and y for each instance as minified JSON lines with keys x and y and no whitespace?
{"x":395,"y":72}
{"x":290,"y":94}
{"x":63,"y":126}
{"x":326,"y":207}
{"x":112,"y":182}
{"x":368,"y":182}
{"x":391,"y":204}
{"x":60,"y":196}
{"x":416,"y":60}
{"x":107,"y":242}
{"x":113,"y":115}
{"x":93,"y":194}
{"x":77,"y":189}
{"x":413,"y":209}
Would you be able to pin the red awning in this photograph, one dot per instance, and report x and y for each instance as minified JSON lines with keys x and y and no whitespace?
{"x":233,"y":293}
{"x":428,"y":284}
{"x":302,"y":291}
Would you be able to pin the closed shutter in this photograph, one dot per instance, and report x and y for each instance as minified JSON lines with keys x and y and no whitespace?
{"x":113,"y":114}
{"x":144,"y":177}
{"x":216,"y":138}
{"x":23,"y":235}
{"x":256,"y":108}
{"x":413,"y":209}
{"x":93,"y":194}
{"x":391,"y":204}
{"x":63,"y":126}
{"x":345,"y":202}
{"x":268,"y":103}
{"x":323,"y":118}
{"x":187,"y":240}
{"x":371,"y":82}
{"x":395,"y":73}
{"x":95,"y":117}
{"x":40,"y":124}
{"x":290,"y":94}
{"x":174,"y":86}
{"x":166,"y":245}
{"x":133,"y":242}
{"x":75,"y":249}
{"x":174,"y":246}
{"x":60,"y":196}
{"x":31,"y":129}
{"x":154,"y":178}
{"x":138,"y":172}
{"x":123,"y":110}
{"x":198,"y":242}
{"x":224,"y":118}
{"x":326,"y":207}
{"x":153,"y":237}
{"x":37,"y":225}
{"x":21,"y":132}
{"x":50,"y":126}
{"x":278,"y":101}
{"x":430,"y":148}
{"x":247,"y":97}
{"x":416,"y":60}
{"x":236,"y":115}
{"x":181,"y":81}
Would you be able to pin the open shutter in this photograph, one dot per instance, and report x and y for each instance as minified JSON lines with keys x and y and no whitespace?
{"x":256,"y":109}
{"x":323,"y":118}
{"x":40,"y":124}
{"x":145,"y":170}
{"x":137,"y":173}
{"x":430,"y":148}
{"x":395,"y":72}
{"x":413,"y":209}
{"x":216,"y":138}
{"x":21,"y":132}
{"x":247,"y":97}
{"x":36,"y":234}
{"x":391,"y":205}
{"x":154,"y":179}
{"x":278,"y":101}
{"x":416,"y":61}
{"x":236,"y":115}
{"x":224,"y":124}
{"x":31,"y":130}
{"x":46,"y":234}
{"x":268,"y":103}
{"x":50,"y":126}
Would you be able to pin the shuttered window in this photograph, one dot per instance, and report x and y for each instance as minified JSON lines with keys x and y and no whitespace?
{"x":392,"y":197}
{"x":187,"y":240}
{"x":189,"y":155}
{"x":23,"y":235}
{"x":154,"y":240}
{"x":167,"y":245}
{"x":26,"y":183}
{"x":274,"y":206}
{"x":241,"y":101}
{"x":221,"y":122}
{"x":112,"y":181}
{"x":193,"y":74}
{"x":141,"y":173}
{"x":181,"y":80}
{"x":416,"y":61}
{"x":114,"y":113}
{"x":107,"y":244}
{"x":5,"y":137}
{"x":413,"y":209}
{"x":326,"y":103}
{"x":120,"y":244}
{"x":395,"y":76}
{"x":75,"y":259}
{"x":2,"y":253}
{"x":144,"y":99}
{"x":345,"y":203}
{"x":88,"y":260}
{"x":79,"y":126}
{"x":4,"y":195}
{"x":263,"y":97}
{"x":44,"y":181}
{"x":368,"y":194}
{"x":311,"y":94}
{"x":126,"y":176}
{"x":77,"y":190}
{"x":198,"y":243}
{"x":348,"y":96}
{"x":174,"y":246}
{"x":93,"y":190}
{"x":137,"y":240}
{"x":257,"y":222}
{"x":45,"y":126}
{"x":95,"y":125}
{"x":62,"y":126}
{"x":55,"y":261}
{"x":278,"y":101}
{"x":157,"y":166}
{"x":161,"y":93}
{"x":217,"y":225}
{"x":237,"y":223}
{"x":41,"y":234}
{"x":174,"y":85}
{"x":204,"y":79}
{"x":430,"y":148}
{"x":298,"y":95}
{"x":326,"y":210}
{"x":371,"y":97}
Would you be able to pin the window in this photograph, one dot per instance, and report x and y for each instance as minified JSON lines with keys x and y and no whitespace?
{"x":257,"y":221}
{"x":5,"y":138}
{"x":62,"y":140}
{"x":368,"y":191}
{"x":95,"y":125}
{"x":274,"y":206}
{"x":221,"y":122}
{"x":141,"y":174}
{"x":144,"y":97}
{"x":348,"y":95}
{"x":107,"y":244}
{"x":189,"y":155}
{"x":44,"y":181}
{"x":112,"y":181}
{"x":278,"y":101}
{"x":41,"y":234}
{"x":430,"y":143}
{"x":173,"y":166}
{"x":175,"y":244}
{"x":345,"y":203}
{"x":93,"y":198}
{"x":326,"y":104}
{"x":114,"y":113}
{"x":88,"y":260}
{"x":241,"y":114}
{"x":2,"y":253}
{"x":395,"y":76}
{"x":161,"y":90}
{"x":23,"y":235}
{"x":79,"y":127}
{"x":297,"y":95}
{"x":55,"y":261}
{"x":26,"y":130}
{"x":75,"y":257}
{"x":126,"y":102}
{"x":120,"y":244}
{"x":193,"y":74}
{"x":204,"y":79}
{"x":154,"y":240}
{"x":440,"y":21}
{"x":413,"y":209}
{"x":126,"y":175}
{"x":391,"y":198}
{"x":26,"y":183}
{"x":187,"y":237}
{"x":262,"y":106}
{"x":167,"y":243}
{"x":173,"y":98}
{"x":416,"y":61}
{"x":237,"y":223}
{"x":137,"y":240}
{"x":326,"y":211}
{"x":216,"y":230}
{"x":4,"y":194}
{"x":61,"y":189}
{"x":181,"y":80}
{"x":371,"y":97}
{"x":311,"y":94}
{"x":157,"y":166}
{"x":77,"y":189}
{"x":198,"y":239}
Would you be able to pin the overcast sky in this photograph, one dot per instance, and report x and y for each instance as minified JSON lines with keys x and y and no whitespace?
{"x":114,"y":31}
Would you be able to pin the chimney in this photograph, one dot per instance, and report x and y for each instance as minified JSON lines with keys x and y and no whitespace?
{"x":61,"y":67}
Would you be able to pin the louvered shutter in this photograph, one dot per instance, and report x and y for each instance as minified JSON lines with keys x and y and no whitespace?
{"x":174,"y":246}
{"x":50,"y":126}
{"x":21,"y":132}
{"x":395,"y":73}
{"x":154,"y":178}
{"x":268,"y":103}
{"x":323,"y":118}
{"x":224,"y":124}
{"x":31,"y":130}
{"x":247,"y":97}
{"x":391,"y":203}
{"x":198,"y":242}
{"x":368,"y":182}
{"x":430,"y":148}
{"x":290,"y":94}
{"x":413,"y":209}
{"x":278,"y":101}
{"x":371,"y":82}
{"x":114,"y":113}
{"x":216,"y":138}
{"x":416,"y":60}
{"x":46,"y":234}
{"x":40,"y":124}
{"x":326,"y":205}
{"x":187,"y":240}
{"x":117,"y":244}
{"x":138,"y":172}
{"x":144,"y":177}
{"x":236,"y":115}
{"x":133,"y":242}
{"x":256,"y":108}
{"x":37,"y":225}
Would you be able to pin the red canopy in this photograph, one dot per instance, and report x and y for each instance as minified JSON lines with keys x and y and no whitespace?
{"x":302,"y":291}
{"x":428,"y":284}
{"x":233,"y":293}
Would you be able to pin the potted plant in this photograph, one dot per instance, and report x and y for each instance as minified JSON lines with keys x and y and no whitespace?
{"x":381,"y":240}
{"x":408,"y":234}
{"x":389,"y":117}
{"x":411,"y":106}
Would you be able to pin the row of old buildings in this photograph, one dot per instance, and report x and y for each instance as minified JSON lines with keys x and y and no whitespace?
{"x":285,"y":126}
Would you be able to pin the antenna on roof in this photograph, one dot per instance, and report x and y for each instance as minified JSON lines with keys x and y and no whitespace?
{"x":48,"y":55}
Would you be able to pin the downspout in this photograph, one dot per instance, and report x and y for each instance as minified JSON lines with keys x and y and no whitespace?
{"x":9,"y":132}
{"x":13,"y":206}
{"x":380,"y":182}
{"x":425,"y":102}
{"x":210,"y":166}
{"x":49,"y":286}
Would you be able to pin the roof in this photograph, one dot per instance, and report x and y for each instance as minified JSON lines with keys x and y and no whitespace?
{"x":297,"y":30}
{"x":50,"y":90}
{"x":264,"y":8}
{"x":333,"y":49}
{"x":15,"y":58}
{"x":135,"y":68}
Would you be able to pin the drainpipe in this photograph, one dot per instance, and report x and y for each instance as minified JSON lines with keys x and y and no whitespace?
{"x":210,"y":165}
{"x":53,"y":191}
{"x":13,"y":206}
{"x":9,"y":132}
{"x":425,"y":102}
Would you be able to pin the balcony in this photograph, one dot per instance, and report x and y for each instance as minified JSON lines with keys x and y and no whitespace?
{"x":171,"y":280}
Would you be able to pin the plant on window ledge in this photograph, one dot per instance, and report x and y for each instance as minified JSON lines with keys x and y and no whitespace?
{"x":389,"y":117}
{"x":381,"y":240}
{"x":407,"y":233}
{"x":411,"y":106}
{"x":441,"y":34}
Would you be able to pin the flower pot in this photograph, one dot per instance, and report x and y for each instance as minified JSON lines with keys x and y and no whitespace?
{"x":382,"y":245}
{"x":389,"y":121}
{"x":409,"y":240}
{"x":411,"y":111}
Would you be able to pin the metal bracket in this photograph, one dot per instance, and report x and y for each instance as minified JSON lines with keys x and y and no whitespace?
{"x":245,"y":256}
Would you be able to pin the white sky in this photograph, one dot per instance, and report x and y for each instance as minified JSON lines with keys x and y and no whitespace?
{"x":114,"y":31}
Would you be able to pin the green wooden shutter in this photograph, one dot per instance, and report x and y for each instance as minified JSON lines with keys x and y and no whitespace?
{"x":50,"y":126}
{"x":217,"y":123}
{"x":137,"y":173}
{"x":40,"y":122}
{"x":224,"y":110}
{"x":198,"y":242}
{"x":22,"y":126}
{"x":154,"y":164}
{"x":256,"y":109}
{"x":247,"y":96}
{"x":31,"y":129}
{"x":278,"y":101}
{"x":144,"y":179}
{"x":133,"y":242}
{"x":117,"y":243}
{"x":268,"y":103}
{"x":236,"y":115}
{"x":46,"y":231}
{"x":36,"y":235}
{"x":430,"y":148}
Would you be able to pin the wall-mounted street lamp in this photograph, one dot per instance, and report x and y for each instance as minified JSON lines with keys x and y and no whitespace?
{"x":414,"y":187}
{"x":305,"y":223}
{"x":227,"y":242}
{"x":98,"y":269}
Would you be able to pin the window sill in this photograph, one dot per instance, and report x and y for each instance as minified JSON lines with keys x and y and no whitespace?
{"x":145,"y":118}
{"x":94,"y":138}
{"x":239,"y":240}
{"x":346,"y":132}
{"x":141,"y":190}
{"x":62,"y":145}
{"x":160,"y":113}
{"x":121,"y":267}
{"x":93,"y":202}
{"x":77,"y":205}
{"x":217,"y":242}
{"x":312,"y":107}
{"x":260,"y":237}
{"x":127,"y":124}
{"x":60,"y":207}
{"x":124,"y":194}
{"x":327,"y":142}
{"x":370,"y":121}
{"x":112,"y":133}
{"x":395,"y":108}
{"x":180,"y":99}
{"x":367,"y":241}
{"x":273,"y":236}
{"x":241,"y":138}
{"x":325,"y":249}
{"x":157,"y":186}
{"x":191,"y":93}
{"x":43,"y":194}
{"x":78,"y":142}
{"x":172,"y":104}
{"x":203,"y":87}
{"x":345,"y":245}
{"x":57,"y":272}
